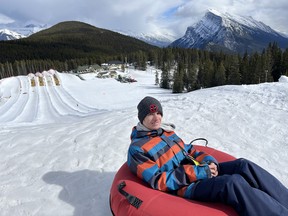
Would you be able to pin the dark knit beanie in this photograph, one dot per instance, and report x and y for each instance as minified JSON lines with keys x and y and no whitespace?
{"x":148,"y":105}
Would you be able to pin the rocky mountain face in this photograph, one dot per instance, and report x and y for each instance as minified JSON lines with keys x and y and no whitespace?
{"x":218,"y":31}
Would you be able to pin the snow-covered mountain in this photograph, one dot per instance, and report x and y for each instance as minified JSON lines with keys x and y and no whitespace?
{"x":15,"y":31}
{"x":160,"y":39}
{"x":215,"y":31}
{"x":235,"y":33}
{"x":6,"y":34}
{"x":31,"y":28}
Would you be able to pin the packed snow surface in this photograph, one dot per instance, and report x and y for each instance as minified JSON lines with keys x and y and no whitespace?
{"x":62,"y":139}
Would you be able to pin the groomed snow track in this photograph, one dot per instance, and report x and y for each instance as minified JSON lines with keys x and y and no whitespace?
{"x":40,"y":96}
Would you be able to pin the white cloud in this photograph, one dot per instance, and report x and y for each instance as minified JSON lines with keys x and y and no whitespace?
{"x":142,"y":16}
{"x":5,"y":20}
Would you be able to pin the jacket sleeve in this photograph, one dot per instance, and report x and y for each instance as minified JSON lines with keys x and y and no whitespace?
{"x":202,"y":157}
{"x":166,"y":178}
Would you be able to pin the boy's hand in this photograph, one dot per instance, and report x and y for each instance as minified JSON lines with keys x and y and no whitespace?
{"x":213,"y":169}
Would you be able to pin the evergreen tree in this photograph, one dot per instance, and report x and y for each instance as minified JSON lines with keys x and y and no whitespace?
{"x":156,"y":77}
{"x":207,"y":73}
{"x":1,"y":71}
{"x":178,"y":85}
{"x":165,"y":83}
{"x":277,"y":68}
{"x":220,"y":76}
{"x":233,"y":71}
{"x":265,"y":66}
{"x":285,"y":62}
{"x":244,"y":69}
{"x":168,"y":58}
{"x":141,"y":60}
{"x":258,"y":69}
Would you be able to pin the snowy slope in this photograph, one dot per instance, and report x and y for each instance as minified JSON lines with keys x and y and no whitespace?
{"x":160,"y":39}
{"x":6,"y":34}
{"x":61,"y":145}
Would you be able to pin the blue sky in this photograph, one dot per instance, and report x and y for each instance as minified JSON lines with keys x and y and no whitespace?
{"x":141,"y":16}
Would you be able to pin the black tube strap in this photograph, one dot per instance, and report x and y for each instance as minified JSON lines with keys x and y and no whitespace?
{"x":200,"y":139}
{"x":134,"y":201}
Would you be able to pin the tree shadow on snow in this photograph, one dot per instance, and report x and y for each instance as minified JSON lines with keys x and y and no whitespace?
{"x":87,"y":191}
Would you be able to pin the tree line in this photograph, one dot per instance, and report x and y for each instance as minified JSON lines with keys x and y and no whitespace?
{"x":16,"y":67}
{"x":183,"y":70}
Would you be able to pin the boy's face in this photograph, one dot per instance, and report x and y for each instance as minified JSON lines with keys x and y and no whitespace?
{"x":153,"y":121}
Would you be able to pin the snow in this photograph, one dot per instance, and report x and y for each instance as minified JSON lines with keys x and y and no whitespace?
{"x":158,"y":38}
{"x":17,"y":30}
{"x":61,"y":145}
{"x":6,"y":34}
{"x":235,"y":19}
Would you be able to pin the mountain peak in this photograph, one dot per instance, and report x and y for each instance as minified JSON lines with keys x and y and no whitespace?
{"x":223,"y":31}
{"x":213,"y":11}
{"x":236,"y":21}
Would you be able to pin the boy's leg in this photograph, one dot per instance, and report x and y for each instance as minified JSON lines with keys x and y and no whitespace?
{"x":257,"y":177}
{"x":236,"y":192}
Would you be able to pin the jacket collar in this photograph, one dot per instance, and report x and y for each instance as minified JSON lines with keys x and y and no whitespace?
{"x":142,"y":131}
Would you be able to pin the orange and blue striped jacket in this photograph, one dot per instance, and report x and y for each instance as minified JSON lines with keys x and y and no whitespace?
{"x":156,"y":157}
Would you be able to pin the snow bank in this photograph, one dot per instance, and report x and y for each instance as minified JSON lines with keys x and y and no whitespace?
{"x":283,"y":79}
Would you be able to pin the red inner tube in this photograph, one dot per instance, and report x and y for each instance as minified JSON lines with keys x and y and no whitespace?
{"x":155,"y":202}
